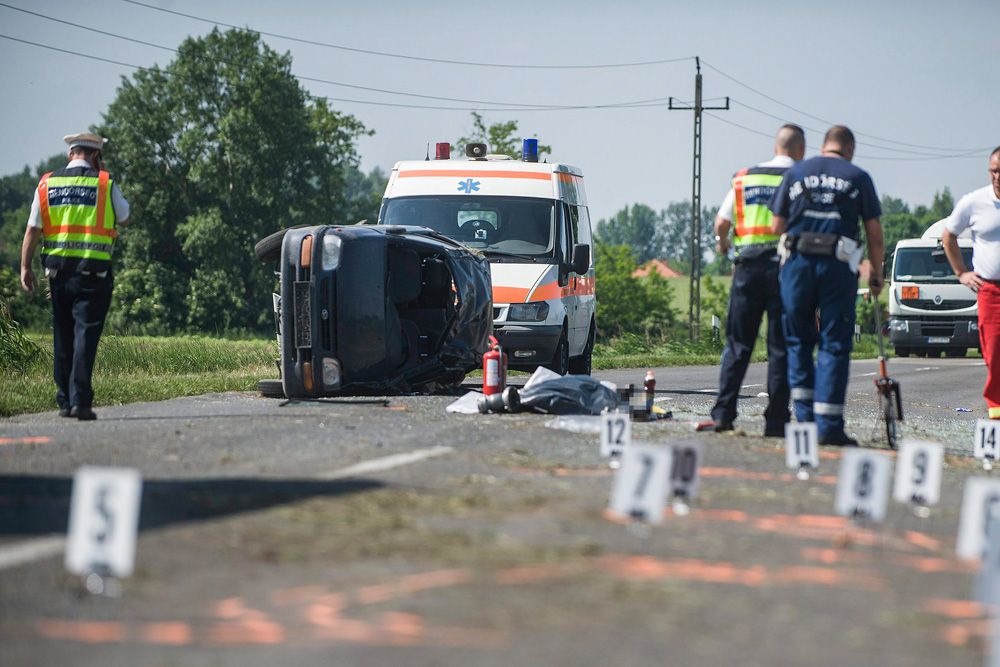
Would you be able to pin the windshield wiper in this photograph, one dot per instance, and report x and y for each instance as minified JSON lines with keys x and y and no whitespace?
{"x":501,"y":253}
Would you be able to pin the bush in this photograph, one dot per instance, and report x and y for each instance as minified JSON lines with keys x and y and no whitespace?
{"x":17,"y":352}
{"x":630,"y":305}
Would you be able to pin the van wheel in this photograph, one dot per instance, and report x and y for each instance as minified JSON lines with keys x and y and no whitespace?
{"x":582,"y":365}
{"x":560,"y":361}
{"x":270,"y":388}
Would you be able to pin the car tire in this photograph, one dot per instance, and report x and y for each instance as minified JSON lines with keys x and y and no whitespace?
{"x":956,"y":352}
{"x":583,"y":365}
{"x":903,"y":351}
{"x":271,"y":388}
{"x":268,"y":249}
{"x":560,"y":360}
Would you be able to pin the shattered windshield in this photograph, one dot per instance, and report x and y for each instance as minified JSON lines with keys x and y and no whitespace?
{"x":505,"y":225}
{"x":926,"y":265}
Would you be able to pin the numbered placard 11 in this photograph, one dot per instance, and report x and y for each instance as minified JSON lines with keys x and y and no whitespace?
{"x":801,"y":445}
{"x":684,"y":469}
{"x":978,"y":500}
{"x":103,"y":521}
{"x":640,"y":489}
{"x":863,"y":485}
{"x":616,"y":433}
{"x":918,"y":473}
{"x":985,"y":446}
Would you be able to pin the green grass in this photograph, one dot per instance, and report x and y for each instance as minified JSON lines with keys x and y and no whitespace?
{"x":139,"y":368}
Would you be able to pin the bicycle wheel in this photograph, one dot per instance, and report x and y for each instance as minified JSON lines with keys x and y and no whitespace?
{"x":888,"y":402}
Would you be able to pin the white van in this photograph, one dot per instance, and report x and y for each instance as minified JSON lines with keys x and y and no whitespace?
{"x":530,"y":219}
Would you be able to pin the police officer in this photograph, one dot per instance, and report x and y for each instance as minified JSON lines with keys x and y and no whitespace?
{"x":75,"y":213}
{"x":818,"y":206}
{"x":755,"y":283}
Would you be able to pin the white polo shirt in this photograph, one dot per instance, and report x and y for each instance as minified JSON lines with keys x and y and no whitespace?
{"x":979,"y":211}
{"x":118,"y":201}
{"x":726,"y":210}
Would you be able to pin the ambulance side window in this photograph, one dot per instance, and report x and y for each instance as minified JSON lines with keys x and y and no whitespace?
{"x":574,"y":225}
{"x":584,"y":235}
{"x":564,"y":243}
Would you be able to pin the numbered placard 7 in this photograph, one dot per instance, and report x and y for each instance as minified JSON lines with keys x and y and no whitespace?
{"x":616,"y":433}
{"x":986,"y":446}
{"x":640,"y":489}
{"x":103,"y":521}
{"x":801,"y":445}
{"x":918,"y":473}
{"x":863,"y":485}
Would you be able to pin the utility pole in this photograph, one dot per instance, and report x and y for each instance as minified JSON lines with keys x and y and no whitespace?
{"x":694,"y":305}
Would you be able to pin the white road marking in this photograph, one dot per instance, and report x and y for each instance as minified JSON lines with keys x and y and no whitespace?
{"x":387,"y":462}
{"x":20,"y":553}
{"x":749,"y":386}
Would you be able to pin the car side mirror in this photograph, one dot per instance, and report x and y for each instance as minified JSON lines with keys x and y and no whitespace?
{"x":580,"y":262}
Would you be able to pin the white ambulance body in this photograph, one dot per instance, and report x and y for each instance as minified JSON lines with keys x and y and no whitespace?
{"x":531,"y":221}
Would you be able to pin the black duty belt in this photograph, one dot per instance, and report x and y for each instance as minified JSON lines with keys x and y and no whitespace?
{"x":812,"y":243}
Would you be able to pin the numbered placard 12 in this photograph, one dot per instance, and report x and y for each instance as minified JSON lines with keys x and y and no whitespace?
{"x":985,"y":445}
{"x":640,"y":489}
{"x":684,"y":477}
{"x":980,"y":496}
{"x":103,"y":521}
{"x":616,"y":433}
{"x":801,"y":445}
{"x":863,"y":485}
{"x":918,"y":473}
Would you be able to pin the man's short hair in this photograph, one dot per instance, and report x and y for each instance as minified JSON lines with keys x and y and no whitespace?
{"x":790,"y":137}
{"x":86,"y":152}
{"x":996,"y":151}
{"x":840,"y":135}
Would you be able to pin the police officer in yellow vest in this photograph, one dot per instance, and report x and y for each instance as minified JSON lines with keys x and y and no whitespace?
{"x":755,"y":284}
{"x":76,"y":213}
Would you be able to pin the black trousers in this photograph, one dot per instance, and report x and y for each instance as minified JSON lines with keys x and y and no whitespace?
{"x":79,"y":305}
{"x":753,"y":293}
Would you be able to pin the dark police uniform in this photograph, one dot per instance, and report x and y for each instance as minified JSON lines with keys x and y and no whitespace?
{"x":822,"y":199}
{"x":754,"y":291}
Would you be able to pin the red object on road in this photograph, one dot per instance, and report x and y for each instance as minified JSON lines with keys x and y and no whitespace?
{"x":494,"y":369}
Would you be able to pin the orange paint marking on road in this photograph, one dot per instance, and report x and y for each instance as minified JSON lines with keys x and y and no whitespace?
{"x":923,"y":540}
{"x":959,"y":634}
{"x":581,"y":472}
{"x":833,"y":556}
{"x":932,"y":565}
{"x":88,"y":632}
{"x":297,"y":595}
{"x":29,"y":440}
{"x":411,"y":584}
{"x":752,"y":475}
{"x":735,"y":516}
{"x":403,"y":629}
{"x":955,"y":608}
{"x":530,"y":574}
{"x":243,"y":625}
{"x":167,"y":633}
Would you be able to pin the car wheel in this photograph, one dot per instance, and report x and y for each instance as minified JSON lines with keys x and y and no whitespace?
{"x":560,"y":361}
{"x":270,"y":388}
{"x":956,"y":352}
{"x":903,"y":351}
{"x":582,"y":365}
{"x":268,"y":249}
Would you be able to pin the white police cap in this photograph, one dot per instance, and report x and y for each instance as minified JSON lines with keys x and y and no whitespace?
{"x":86,"y":140}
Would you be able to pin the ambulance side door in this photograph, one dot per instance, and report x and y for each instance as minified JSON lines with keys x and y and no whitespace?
{"x":570,"y":227}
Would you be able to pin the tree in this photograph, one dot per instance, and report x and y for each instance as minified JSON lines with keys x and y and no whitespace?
{"x":500,"y":138}
{"x":640,"y":228}
{"x":214,"y":151}
{"x":677,"y":236}
{"x":626,"y":304}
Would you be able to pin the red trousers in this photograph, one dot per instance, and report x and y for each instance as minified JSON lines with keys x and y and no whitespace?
{"x":989,"y":340}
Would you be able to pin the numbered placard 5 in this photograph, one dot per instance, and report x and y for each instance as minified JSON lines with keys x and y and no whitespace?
{"x":918,"y":472}
{"x":640,"y":489}
{"x":985,"y":445}
{"x":801,"y":445}
{"x":684,"y":470}
{"x":616,"y":433}
{"x":863,"y":485}
{"x":981,"y":496}
{"x":103,"y":521}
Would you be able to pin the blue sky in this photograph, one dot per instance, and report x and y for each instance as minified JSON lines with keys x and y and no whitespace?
{"x":917,"y":79}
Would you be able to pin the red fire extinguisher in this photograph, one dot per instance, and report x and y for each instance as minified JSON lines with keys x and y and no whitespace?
{"x":494,"y":369}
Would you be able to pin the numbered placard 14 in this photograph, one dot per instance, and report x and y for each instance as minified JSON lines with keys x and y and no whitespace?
{"x":103,"y":521}
{"x":801,"y":445}
{"x":863,"y":485}
{"x":640,"y":489}
{"x":985,"y":445}
{"x":918,"y":473}
{"x":616,"y":433}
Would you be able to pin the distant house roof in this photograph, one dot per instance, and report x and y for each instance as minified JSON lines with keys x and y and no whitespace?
{"x":659,"y":266}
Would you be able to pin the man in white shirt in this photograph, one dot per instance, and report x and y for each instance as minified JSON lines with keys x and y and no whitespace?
{"x":979,"y":211}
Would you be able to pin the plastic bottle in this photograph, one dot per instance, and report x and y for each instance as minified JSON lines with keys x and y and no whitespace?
{"x":649,"y":384}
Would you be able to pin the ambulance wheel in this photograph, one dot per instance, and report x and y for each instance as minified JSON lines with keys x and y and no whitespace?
{"x":560,"y":361}
{"x":582,"y":365}
{"x":270,"y":388}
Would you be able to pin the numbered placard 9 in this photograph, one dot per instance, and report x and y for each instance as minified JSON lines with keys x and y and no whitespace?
{"x":801,"y":445}
{"x":863,"y":485}
{"x":985,"y":445}
{"x":616,"y":433}
{"x":640,"y":489}
{"x":103,"y":521}
{"x":978,"y":500}
{"x":918,"y":473}
{"x":684,"y":470}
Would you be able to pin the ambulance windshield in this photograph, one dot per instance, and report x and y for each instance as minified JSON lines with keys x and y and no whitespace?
{"x":925,"y":265}
{"x":505,"y":225}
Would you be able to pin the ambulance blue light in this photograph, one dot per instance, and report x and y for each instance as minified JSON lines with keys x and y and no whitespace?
{"x":529,"y":151}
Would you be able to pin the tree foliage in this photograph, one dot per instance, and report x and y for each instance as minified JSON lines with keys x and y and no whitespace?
{"x":626,"y":304}
{"x":500,"y":138}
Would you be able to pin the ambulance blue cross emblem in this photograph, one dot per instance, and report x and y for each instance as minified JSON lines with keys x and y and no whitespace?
{"x":468,"y":185}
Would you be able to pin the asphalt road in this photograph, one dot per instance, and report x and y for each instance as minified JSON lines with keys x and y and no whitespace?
{"x":357,"y":533}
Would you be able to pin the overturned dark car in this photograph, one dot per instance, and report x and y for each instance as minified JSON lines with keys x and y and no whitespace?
{"x":375,"y":310}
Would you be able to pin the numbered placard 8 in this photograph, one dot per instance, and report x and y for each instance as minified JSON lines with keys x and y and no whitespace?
{"x":801,"y":445}
{"x":986,"y":446}
{"x":863,"y":485}
{"x":918,"y":472}
{"x":640,"y":489}
{"x":981,"y":495}
{"x":103,"y":521}
{"x":616,"y":433}
{"x":684,"y":470}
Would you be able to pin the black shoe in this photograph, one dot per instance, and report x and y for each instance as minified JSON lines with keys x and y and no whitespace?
{"x":774,"y":431}
{"x":838,"y":438}
{"x":722,"y":426}
{"x":83,"y":414}
{"x":65,"y":412}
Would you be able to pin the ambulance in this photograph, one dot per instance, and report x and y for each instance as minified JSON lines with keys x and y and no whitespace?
{"x":530,"y":220}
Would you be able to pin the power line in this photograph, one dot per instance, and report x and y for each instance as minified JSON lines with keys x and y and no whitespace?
{"x":403,"y":56}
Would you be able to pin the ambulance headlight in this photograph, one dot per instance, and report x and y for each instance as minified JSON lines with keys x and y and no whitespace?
{"x":331,"y":373}
{"x":899,"y":325}
{"x":528,"y":312}
{"x":331,"y":252}
{"x":973,"y":326}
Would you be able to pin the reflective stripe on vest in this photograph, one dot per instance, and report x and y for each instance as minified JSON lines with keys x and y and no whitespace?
{"x":752,"y":219}
{"x":78,"y":219}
